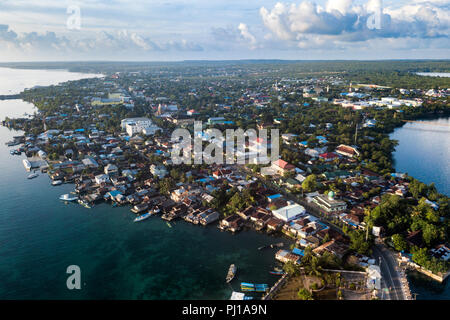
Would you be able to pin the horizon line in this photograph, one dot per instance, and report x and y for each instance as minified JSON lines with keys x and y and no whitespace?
{"x":221,"y":60}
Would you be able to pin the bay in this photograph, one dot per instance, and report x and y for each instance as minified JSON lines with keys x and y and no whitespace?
{"x":40,"y":237}
{"x":424,"y":153}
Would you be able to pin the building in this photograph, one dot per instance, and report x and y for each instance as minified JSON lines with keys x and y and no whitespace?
{"x":102,"y":178}
{"x":145,"y":127}
{"x":143,"y":122}
{"x":289,"y":213}
{"x":328,"y":156}
{"x":90,"y":162}
{"x":158,"y":170}
{"x":347,"y":151}
{"x":329,"y":203}
{"x":282,"y":166}
{"x":286,"y":256}
{"x":106,"y":102}
{"x":111,"y":169}
{"x":441,"y":252}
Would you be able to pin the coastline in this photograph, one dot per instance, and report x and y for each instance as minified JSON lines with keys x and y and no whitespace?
{"x":394,"y":129}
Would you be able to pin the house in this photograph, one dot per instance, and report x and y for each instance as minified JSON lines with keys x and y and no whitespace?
{"x":111,"y":169}
{"x":221,"y":173}
{"x":313,"y":153}
{"x":292,"y":183}
{"x":101,"y":178}
{"x":90,"y":162}
{"x":285,"y":256}
{"x":274,"y":224}
{"x":289,"y":213}
{"x":441,"y":252}
{"x":159,"y":171}
{"x":246,"y":213}
{"x":282,"y":166}
{"x":328,"y":156}
{"x":231,"y":221}
{"x":209,"y":217}
{"x":347,"y":151}
{"x":337,"y":248}
{"x":274,"y":197}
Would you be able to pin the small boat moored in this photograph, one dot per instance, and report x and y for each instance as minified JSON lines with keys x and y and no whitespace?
{"x":33,"y":175}
{"x":277,"y":273}
{"x":56,"y":182}
{"x":231,"y":273}
{"x":67,"y":197}
{"x":142,"y":217}
{"x":84,"y":203}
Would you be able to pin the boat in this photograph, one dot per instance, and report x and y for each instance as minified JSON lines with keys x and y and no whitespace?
{"x":247,"y":286}
{"x":84,"y":203}
{"x":277,"y":245}
{"x":254,"y":287}
{"x":261,"y":287}
{"x":142,"y":217}
{"x":26,"y":164}
{"x":231,"y":273}
{"x":56,"y":182}
{"x":12,"y":143}
{"x":155,"y":211}
{"x":277,"y":273}
{"x":168,"y":224}
{"x":33,"y":175}
{"x":67,"y":197}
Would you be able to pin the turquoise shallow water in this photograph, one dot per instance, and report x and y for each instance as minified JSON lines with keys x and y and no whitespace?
{"x":424,"y":152}
{"x":41,"y":236}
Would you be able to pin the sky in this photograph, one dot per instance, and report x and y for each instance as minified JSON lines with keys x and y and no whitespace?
{"x":167,"y":30}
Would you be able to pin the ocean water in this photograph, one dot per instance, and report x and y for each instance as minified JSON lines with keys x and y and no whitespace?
{"x":424,"y":153}
{"x":13,"y":81}
{"x":434,"y":74}
{"x":40,"y":236}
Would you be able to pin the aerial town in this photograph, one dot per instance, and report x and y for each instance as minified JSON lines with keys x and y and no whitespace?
{"x":333,"y":190}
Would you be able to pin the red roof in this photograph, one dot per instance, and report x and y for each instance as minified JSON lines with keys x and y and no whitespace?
{"x":346,"y":149}
{"x":283,"y":164}
{"x":329,"y":155}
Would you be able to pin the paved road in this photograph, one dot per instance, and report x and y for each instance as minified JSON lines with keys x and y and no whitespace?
{"x":391,"y":277}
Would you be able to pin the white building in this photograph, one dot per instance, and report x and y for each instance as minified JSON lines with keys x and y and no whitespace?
{"x":143,"y":122}
{"x":290,"y":212}
{"x":139,"y":125}
{"x":102,"y":178}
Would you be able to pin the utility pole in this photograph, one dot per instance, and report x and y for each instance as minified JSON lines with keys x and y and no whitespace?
{"x":356,"y":133}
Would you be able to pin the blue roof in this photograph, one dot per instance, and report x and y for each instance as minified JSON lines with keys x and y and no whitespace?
{"x":115,"y":193}
{"x":275,"y":196}
{"x":79,"y":130}
{"x":299,"y":252}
